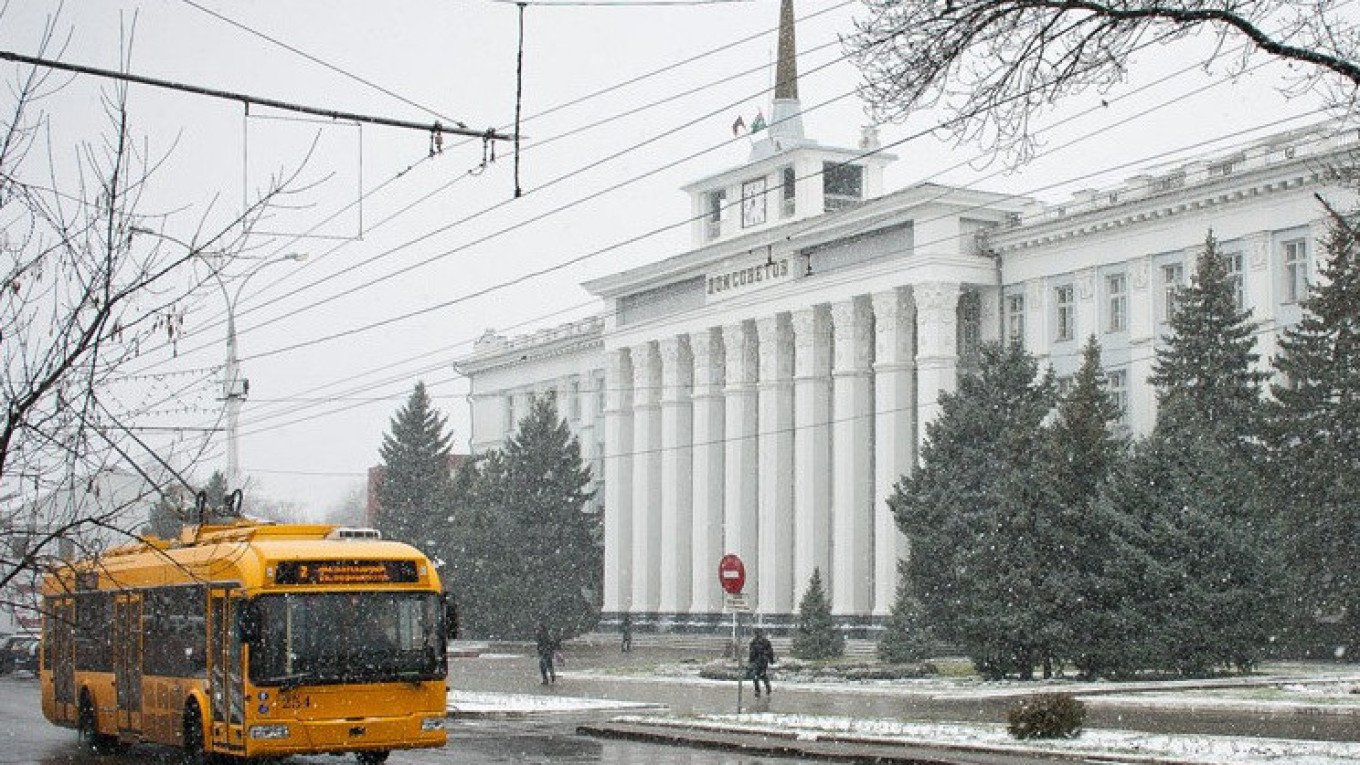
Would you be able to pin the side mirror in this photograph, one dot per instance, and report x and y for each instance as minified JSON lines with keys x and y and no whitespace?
{"x":248,"y":621}
{"x":450,"y":617}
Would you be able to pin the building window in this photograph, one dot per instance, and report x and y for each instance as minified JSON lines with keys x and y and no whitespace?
{"x":1064,"y":385}
{"x":790,"y":186}
{"x":970,"y":326}
{"x":574,"y":405}
{"x":842,"y":185}
{"x":1067,"y":317}
{"x":1015,"y":319}
{"x":1117,"y":305}
{"x":753,"y":202}
{"x":715,"y":201}
{"x":1173,"y":276}
{"x":1295,"y":270}
{"x":1233,"y":262}
{"x":1117,"y":387}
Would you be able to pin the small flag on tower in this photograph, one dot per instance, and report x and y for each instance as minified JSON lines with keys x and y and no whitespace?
{"x":738,"y":126}
{"x":758,"y":124}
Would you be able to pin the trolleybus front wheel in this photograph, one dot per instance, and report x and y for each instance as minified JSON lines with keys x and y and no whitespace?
{"x":372,"y":758}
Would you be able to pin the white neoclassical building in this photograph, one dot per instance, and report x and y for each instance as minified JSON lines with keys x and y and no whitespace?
{"x":761,"y":392}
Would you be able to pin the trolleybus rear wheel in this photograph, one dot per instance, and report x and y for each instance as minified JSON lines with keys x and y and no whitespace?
{"x":372,"y":758}
{"x":194,"y":754}
{"x":87,"y":728}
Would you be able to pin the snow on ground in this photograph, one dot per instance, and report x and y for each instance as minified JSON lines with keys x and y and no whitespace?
{"x":474,"y":703}
{"x":1198,"y":748}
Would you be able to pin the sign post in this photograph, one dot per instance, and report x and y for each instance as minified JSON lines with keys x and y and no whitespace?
{"x":732,"y":577}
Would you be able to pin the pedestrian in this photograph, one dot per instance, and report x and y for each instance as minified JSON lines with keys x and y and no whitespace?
{"x":626,"y":631}
{"x":546,"y":645}
{"x":760,"y":657}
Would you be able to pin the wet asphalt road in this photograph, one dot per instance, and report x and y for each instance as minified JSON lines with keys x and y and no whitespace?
{"x":26,"y":738}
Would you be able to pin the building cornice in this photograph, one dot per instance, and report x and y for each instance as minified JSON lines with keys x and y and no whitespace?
{"x":493,"y":351}
{"x":881,"y":212}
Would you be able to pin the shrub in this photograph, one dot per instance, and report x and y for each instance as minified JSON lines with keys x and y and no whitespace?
{"x":1047,"y":715}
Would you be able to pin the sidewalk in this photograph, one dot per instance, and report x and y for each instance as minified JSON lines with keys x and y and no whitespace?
{"x":1219,"y":721}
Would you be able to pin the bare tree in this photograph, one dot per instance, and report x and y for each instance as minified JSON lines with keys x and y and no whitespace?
{"x":82,"y":296}
{"x":992,"y":64}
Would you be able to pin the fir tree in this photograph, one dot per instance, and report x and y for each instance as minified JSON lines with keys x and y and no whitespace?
{"x":168,"y":515}
{"x":1080,"y":450}
{"x":1316,"y":433}
{"x":535,"y":555}
{"x":1206,"y":370}
{"x":815,"y":636}
{"x":971,"y":512}
{"x":907,"y":636}
{"x":415,"y":483}
{"x":1212,"y":538}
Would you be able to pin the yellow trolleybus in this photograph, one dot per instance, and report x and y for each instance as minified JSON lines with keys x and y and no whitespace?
{"x":250,"y":640}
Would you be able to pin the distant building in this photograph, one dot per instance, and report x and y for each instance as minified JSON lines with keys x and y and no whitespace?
{"x":762,"y":392}
{"x":377,"y":473}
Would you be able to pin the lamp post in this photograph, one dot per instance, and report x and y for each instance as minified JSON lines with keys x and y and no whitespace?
{"x":235,"y":388}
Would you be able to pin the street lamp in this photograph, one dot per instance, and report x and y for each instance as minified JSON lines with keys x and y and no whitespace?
{"x":235,"y":388}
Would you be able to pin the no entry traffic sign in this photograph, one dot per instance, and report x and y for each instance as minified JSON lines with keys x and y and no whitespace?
{"x":731,"y":574}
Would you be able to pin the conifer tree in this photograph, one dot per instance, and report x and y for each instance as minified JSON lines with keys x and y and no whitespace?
{"x":1211,"y":532}
{"x":1080,"y":450}
{"x":1206,"y":371}
{"x":1316,"y":433}
{"x":907,"y":636}
{"x":815,"y":636}
{"x":414,"y":491}
{"x":971,"y":512}
{"x":538,"y":555}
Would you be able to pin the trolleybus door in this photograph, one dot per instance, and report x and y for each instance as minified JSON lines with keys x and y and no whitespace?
{"x":225,"y":690}
{"x":60,"y":656}
{"x":127,"y":659}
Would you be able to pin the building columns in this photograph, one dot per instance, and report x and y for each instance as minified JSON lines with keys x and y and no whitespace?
{"x":775,"y":446}
{"x":811,"y":445}
{"x":646,"y":477}
{"x":618,"y":486}
{"x":852,"y":437}
{"x":709,"y":453}
{"x":937,"y":355}
{"x":677,"y":376}
{"x":740,"y":525}
{"x":894,"y":432}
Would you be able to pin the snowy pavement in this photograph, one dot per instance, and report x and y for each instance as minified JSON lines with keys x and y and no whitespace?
{"x":481,"y":704}
{"x":1108,"y":745}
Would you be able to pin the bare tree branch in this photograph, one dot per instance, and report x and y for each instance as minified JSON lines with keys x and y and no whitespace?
{"x":997,"y":63}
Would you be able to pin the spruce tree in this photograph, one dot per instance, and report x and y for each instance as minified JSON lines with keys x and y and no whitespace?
{"x":1206,"y":370}
{"x":1080,"y":450}
{"x":815,"y":636}
{"x":540,"y":552}
{"x":1316,"y":434}
{"x":1211,"y":532}
{"x":907,"y":636}
{"x":972,"y":513}
{"x":415,"y":454}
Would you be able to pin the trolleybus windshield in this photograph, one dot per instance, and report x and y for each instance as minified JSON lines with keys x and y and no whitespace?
{"x":317,"y":638}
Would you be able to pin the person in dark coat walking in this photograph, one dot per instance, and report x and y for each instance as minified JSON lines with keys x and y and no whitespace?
{"x":546,"y":645}
{"x":760,"y":657}
{"x":626,"y":631}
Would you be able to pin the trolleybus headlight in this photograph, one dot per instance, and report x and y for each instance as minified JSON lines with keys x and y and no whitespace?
{"x":269,"y":731}
{"x":432,"y":723}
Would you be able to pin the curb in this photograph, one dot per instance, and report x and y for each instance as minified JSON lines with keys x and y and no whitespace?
{"x":830,"y":746}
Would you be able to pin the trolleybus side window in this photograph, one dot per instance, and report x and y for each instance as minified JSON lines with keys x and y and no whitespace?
{"x":173,"y":621}
{"x":94,"y":631}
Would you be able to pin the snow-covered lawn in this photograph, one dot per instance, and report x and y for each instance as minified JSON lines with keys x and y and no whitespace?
{"x":1208,"y":749}
{"x":473,"y":703}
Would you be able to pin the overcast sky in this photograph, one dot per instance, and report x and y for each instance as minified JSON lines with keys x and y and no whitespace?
{"x":443,"y":230}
